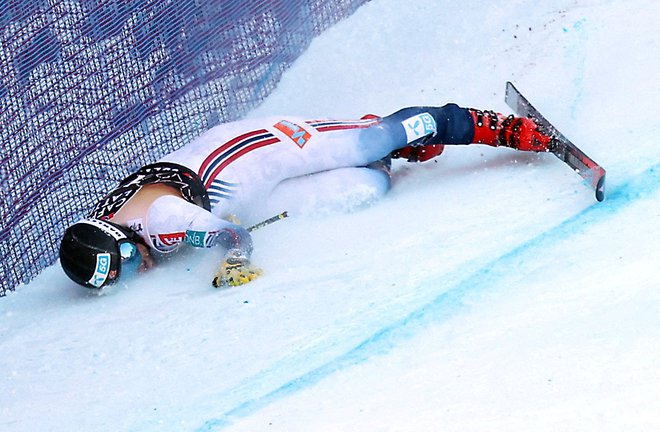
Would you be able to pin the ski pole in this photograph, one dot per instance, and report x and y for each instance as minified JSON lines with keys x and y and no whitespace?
{"x":268,"y":221}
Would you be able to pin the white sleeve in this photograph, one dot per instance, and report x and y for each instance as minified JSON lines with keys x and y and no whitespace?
{"x":172,"y":220}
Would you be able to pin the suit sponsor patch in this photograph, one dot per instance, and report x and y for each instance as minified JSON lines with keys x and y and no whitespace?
{"x":419,"y":126}
{"x":167,"y":242}
{"x":295,"y":132}
{"x":201,"y":238}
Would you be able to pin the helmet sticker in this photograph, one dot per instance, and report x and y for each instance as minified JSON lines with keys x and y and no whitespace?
{"x":102,"y":270}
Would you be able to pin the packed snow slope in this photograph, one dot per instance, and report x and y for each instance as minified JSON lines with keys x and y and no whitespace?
{"x":488,"y":291}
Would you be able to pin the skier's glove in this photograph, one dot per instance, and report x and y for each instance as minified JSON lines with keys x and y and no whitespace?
{"x":418,"y":153}
{"x":235,"y":270}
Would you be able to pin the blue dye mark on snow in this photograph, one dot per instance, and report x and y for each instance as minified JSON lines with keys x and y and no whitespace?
{"x":576,"y":56}
{"x":447,"y":304}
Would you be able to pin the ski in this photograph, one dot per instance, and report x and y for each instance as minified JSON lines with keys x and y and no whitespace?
{"x":561,"y":146}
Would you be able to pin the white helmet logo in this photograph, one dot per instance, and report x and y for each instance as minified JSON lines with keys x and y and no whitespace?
{"x":102,"y":270}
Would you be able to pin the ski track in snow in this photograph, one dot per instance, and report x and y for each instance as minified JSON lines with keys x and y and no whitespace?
{"x":442,"y":307}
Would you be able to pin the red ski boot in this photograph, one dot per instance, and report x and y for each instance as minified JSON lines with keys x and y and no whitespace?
{"x":495,"y":129}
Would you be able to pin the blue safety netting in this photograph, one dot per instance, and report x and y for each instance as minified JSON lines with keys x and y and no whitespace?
{"x":90,"y":90}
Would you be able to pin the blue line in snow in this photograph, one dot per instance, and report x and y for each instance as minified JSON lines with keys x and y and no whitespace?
{"x":451,"y":301}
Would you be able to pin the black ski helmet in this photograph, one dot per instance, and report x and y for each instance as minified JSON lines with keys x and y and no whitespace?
{"x":89,"y":251}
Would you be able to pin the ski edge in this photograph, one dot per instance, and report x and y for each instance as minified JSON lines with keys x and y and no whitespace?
{"x":563,"y":148}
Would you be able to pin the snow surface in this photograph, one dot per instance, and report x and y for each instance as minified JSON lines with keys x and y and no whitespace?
{"x":488,"y":291}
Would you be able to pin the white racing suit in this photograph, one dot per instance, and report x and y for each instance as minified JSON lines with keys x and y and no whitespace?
{"x":242,"y":164}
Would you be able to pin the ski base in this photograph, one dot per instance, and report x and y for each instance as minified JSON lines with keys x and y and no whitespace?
{"x":561,"y":146}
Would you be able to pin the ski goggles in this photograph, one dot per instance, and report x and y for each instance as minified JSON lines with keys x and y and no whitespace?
{"x":131,"y":258}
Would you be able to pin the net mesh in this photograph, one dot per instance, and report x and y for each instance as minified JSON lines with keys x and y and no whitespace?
{"x":90,"y":90}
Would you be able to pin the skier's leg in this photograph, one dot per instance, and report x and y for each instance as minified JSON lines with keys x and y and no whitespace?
{"x":456,"y":125}
{"x":415,"y":126}
{"x":339,"y":189}
{"x":448,"y":124}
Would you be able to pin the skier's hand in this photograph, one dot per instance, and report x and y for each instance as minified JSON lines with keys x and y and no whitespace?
{"x":235,"y":270}
{"x":418,"y":153}
{"x":235,"y":274}
{"x":148,"y":261}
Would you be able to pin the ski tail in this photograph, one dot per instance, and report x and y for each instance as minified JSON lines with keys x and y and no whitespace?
{"x":561,"y":146}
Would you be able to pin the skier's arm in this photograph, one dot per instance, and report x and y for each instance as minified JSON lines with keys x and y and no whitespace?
{"x":177,"y":218}
{"x":207,"y":230}
{"x":172,"y":220}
